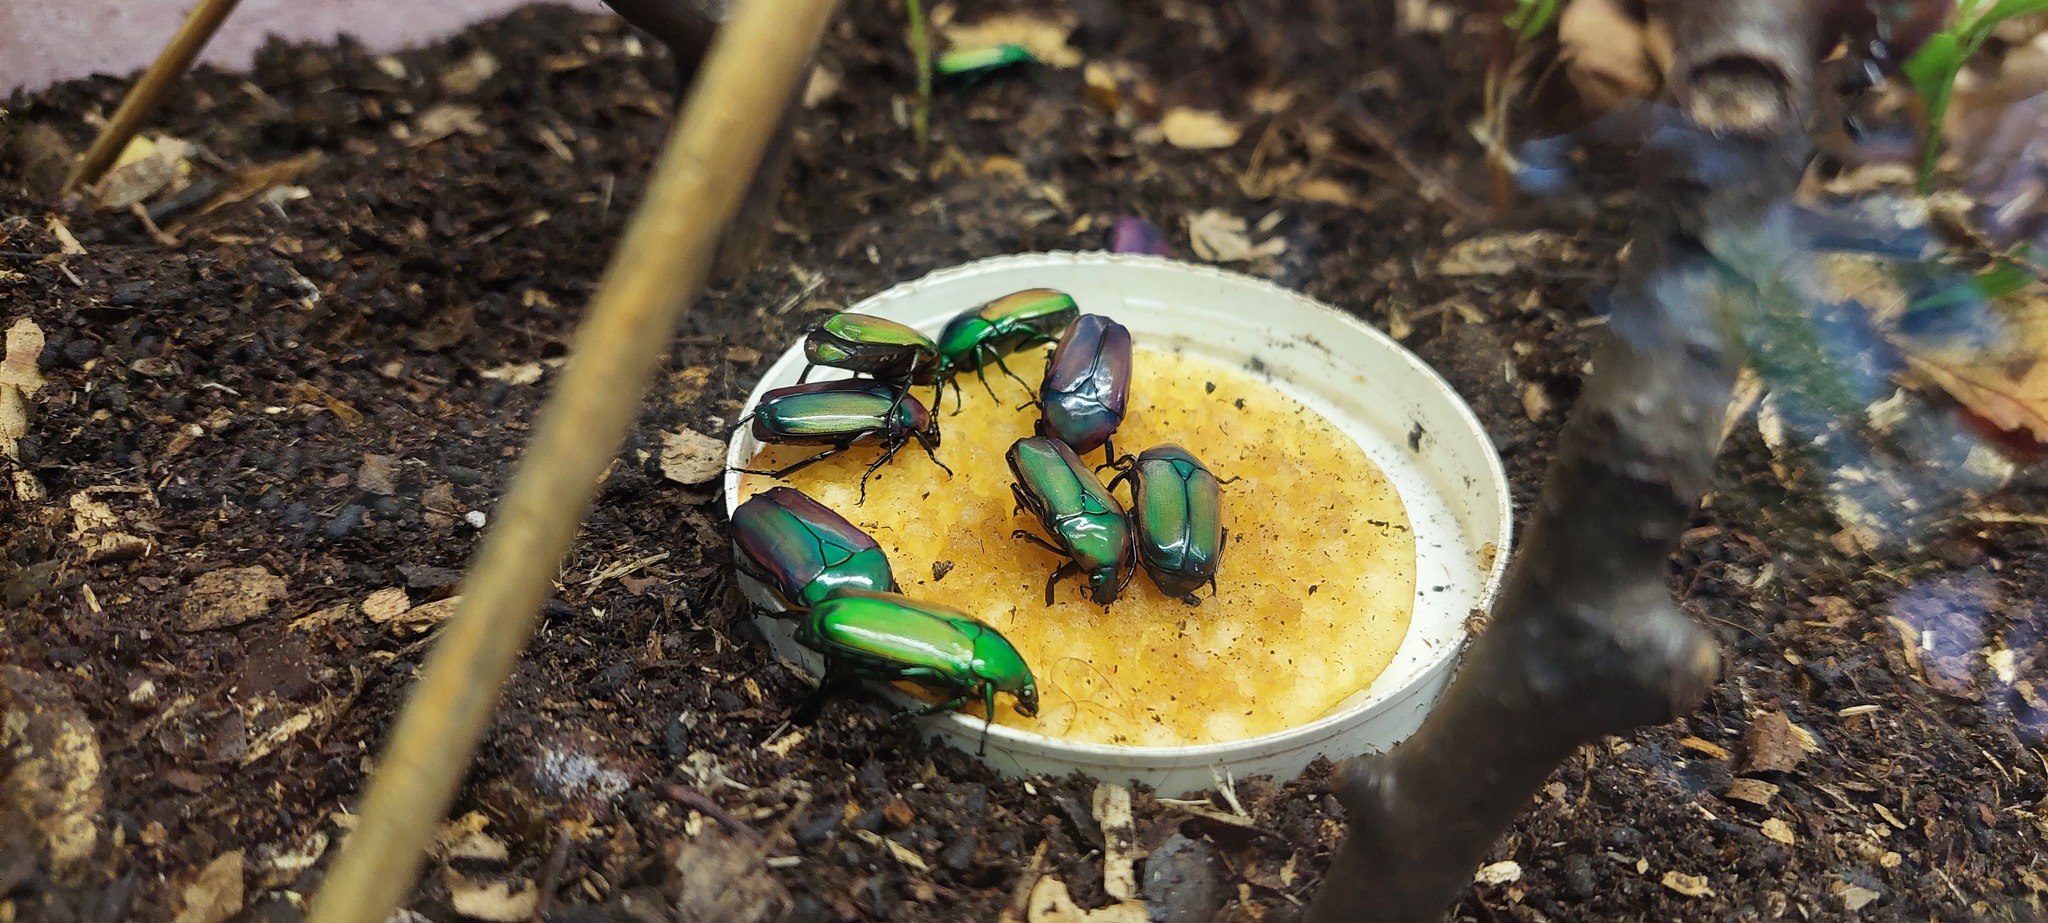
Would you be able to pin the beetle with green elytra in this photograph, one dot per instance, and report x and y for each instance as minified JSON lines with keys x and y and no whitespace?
{"x":803,"y":552}
{"x":840,"y":414}
{"x":984,"y":334}
{"x":877,"y":347}
{"x":890,"y":636}
{"x":1177,"y":512}
{"x":1084,"y":518}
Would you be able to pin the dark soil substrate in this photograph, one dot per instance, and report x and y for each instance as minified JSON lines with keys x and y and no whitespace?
{"x":318,"y":387}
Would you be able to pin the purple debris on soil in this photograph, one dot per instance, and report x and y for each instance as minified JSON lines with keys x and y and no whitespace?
{"x":1136,"y":235}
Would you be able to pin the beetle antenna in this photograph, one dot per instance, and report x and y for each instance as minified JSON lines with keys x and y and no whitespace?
{"x":1106,"y":682}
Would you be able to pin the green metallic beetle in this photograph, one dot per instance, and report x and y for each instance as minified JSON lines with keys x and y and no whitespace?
{"x":991,"y":331}
{"x":839,"y":414}
{"x":1177,"y":507}
{"x":1086,"y":519}
{"x":890,"y":636}
{"x":802,"y":551}
{"x":877,"y":347}
{"x":969,"y":64}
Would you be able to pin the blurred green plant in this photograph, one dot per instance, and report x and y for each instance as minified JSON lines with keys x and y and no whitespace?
{"x":1530,"y":17}
{"x":921,"y":53}
{"x":1934,"y":67}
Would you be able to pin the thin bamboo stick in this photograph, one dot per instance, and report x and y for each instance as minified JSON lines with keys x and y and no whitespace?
{"x":749,"y":76}
{"x":163,"y":73}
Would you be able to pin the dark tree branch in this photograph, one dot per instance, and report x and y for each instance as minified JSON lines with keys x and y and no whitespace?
{"x":1585,"y":640}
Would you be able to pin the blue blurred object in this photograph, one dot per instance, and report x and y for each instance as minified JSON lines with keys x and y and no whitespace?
{"x":1136,"y":235}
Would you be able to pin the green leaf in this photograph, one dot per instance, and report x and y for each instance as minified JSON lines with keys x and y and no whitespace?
{"x":2007,"y":9}
{"x":1934,"y":67}
{"x":1531,"y":17}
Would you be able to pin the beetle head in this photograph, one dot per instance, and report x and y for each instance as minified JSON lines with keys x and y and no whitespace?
{"x":1027,"y":699}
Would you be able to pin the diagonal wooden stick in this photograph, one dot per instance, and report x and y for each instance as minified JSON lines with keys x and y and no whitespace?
{"x":748,"y":78}
{"x":142,"y":98}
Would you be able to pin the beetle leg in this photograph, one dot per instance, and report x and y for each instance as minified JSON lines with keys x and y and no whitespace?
{"x":799,"y":466}
{"x":1068,"y":569}
{"x":1231,"y":480}
{"x":1013,"y":377}
{"x":927,"y":710}
{"x":805,"y":374}
{"x":1042,"y":543}
{"x":981,"y":372}
{"x":1108,"y":450}
{"x":931,"y":453}
{"x":895,"y":445}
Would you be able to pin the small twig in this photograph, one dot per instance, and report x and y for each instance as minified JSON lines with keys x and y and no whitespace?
{"x":750,"y":75}
{"x":691,"y":798}
{"x":558,"y":861}
{"x":142,"y":98}
{"x":1432,"y":187}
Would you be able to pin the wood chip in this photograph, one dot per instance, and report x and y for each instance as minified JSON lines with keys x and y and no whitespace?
{"x":1500,"y":254}
{"x":1050,"y":902}
{"x":20,"y":378}
{"x":1709,"y":748}
{"x":215,"y":893}
{"x":228,"y":597}
{"x":499,"y":901}
{"x":1688,"y":885}
{"x":903,"y":854}
{"x":425,"y":616}
{"x":1774,"y":744}
{"x":1855,"y":898}
{"x":54,"y":769}
{"x":1499,"y":873}
{"x":1778,"y":830}
{"x":1754,"y":791}
{"x":378,"y":474}
{"x":1199,"y":129}
{"x":1112,"y":808}
{"x":386,"y":604}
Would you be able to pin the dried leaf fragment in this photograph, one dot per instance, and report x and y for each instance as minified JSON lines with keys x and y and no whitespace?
{"x":444,"y":120}
{"x":2006,"y":385}
{"x":146,"y":166}
{"x":1199,"y":129}
{"x":690,"y":457}
{"x":1219,"y":236}
{"x":228,"y":597}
